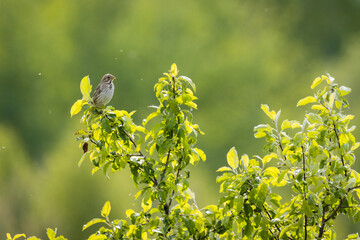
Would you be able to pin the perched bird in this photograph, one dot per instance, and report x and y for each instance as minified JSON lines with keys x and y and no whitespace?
{"x":104,"y":91}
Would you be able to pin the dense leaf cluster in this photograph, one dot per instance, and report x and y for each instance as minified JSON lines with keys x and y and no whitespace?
{"x":311,"y":159}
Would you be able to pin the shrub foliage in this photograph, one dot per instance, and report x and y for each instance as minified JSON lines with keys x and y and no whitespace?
{"x":311,"y":159}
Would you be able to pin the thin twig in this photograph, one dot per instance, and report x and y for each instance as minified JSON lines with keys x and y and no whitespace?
{"x":276,"y":225}
{"x":304,"y":178}
{"x":338,"y":141}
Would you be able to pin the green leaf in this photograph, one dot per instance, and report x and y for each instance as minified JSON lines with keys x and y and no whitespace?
{"x":306,"y":100}
{"x":331,"y":100}
{"x":82,"y":158}
{"x":353,"y":236}
{"x":316,"y":82}
{"x":356,"y":145}
{"x":344,"y":90}
{"x":98,"y":237}
{"x":129,"y":213}
{"x":51,"y":233}
{"x":285,"y":124}
{"x":307,"y":209}
{"x":201,"y":154}
{"x":189,"y":81}
{"x":245,"y":161}
{"x":85,"y":88}
{"x":232,"y":158}
{"x":343,"y":139}
{"x":267,"y":158}
{"x":318,"y":107}
{"x":347,"y":117}
{"x":76,"y":108}
{"x":270,"y":114}
{"x":151,"y":116}
{"x":223,"y":169}
{"x":106,"y":209}
{"x":18,"y":236}
{"x":174,"y":71}
{"x":92,"y":222}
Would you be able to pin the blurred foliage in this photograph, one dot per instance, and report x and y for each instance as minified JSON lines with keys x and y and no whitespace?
{"x":240,"y":54}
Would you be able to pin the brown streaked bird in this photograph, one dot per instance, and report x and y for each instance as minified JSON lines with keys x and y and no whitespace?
{"x":104,"y":91}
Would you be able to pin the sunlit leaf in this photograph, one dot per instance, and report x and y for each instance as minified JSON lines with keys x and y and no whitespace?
{"x":82,"y":158}
{"x":356,"y":145}
{"x":223,"y":169}
{"x":306,"y":100}
{"x":96,"y":236}
{"x":76,"y":108}
{"x":344,"y":90}
{"x":189,"y":81}
{"x":85,"y":88}
{"x":267,"y":158}
{"x":270,"y":114}
{"x":201,"y":154}
{"x":343,"y":138}
{"x":318,"y":107}
{"x":232,"y":158}
{"x":92,"y":222}
{"x":245,"y":160}
{"x":347,"y":117}
{"x":316,"y":82}
{"x":51,"y":233}
{"x":331,"y":100}
{"x":19,"y":236}
{"x":129,"y":213}
{"x":174,"y":70}
{"x":106,"y":209}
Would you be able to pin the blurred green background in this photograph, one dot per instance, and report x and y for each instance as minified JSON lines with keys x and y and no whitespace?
{"x":239,"y":53}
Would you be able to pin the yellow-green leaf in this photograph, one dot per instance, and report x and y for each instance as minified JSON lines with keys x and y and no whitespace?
{"x":306,"y":100}
{"x":92,"y":222}
{"x":270,"y":114}
{"x":201,"y":154}
{"x":85,"y":88}
{"x":51,"y":233}
{"x":232,"y":158}
{"x":245,"y":160}
{"x":76,"y":108}
{"x":19,"y":236}
{"x":356,"y":145}
{"x":267,"y":158}
{"x":95,"y":236}
{"x":343,"y":138}
{"x":331,"y":100}
{"x":129,"y":212}
{"x":348,"y":117}
{"x":174,"y":71}
{"x":82,"y":158}
{"x":106,"y":209}
{"x":316,"y":82}
{"x":318,"y":107}
{"x":285,"y":124}
{"x":223,"y":169}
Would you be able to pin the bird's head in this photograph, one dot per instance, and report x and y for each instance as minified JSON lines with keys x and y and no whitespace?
{"x":108,"y":78}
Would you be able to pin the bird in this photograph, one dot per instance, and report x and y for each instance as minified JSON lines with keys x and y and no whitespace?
{"x":104,"y":91}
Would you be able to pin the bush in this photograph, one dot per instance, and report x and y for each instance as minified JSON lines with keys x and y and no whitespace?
{"x":311,"y":159}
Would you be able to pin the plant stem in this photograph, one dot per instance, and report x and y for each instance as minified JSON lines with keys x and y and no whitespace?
{"x":304,"y":178}
{"x":338,"y":141}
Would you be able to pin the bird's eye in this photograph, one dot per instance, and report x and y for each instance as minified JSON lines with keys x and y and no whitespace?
{"x":108,"y":77}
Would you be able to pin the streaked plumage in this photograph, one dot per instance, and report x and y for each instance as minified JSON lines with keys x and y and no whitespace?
{"x":104,"y":91}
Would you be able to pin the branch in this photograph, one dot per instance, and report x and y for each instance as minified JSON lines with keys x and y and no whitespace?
{"x":304,"y":171}
{"x":276,"y":225}
{"x":338,"y":141}
{"x":166,"y":165}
